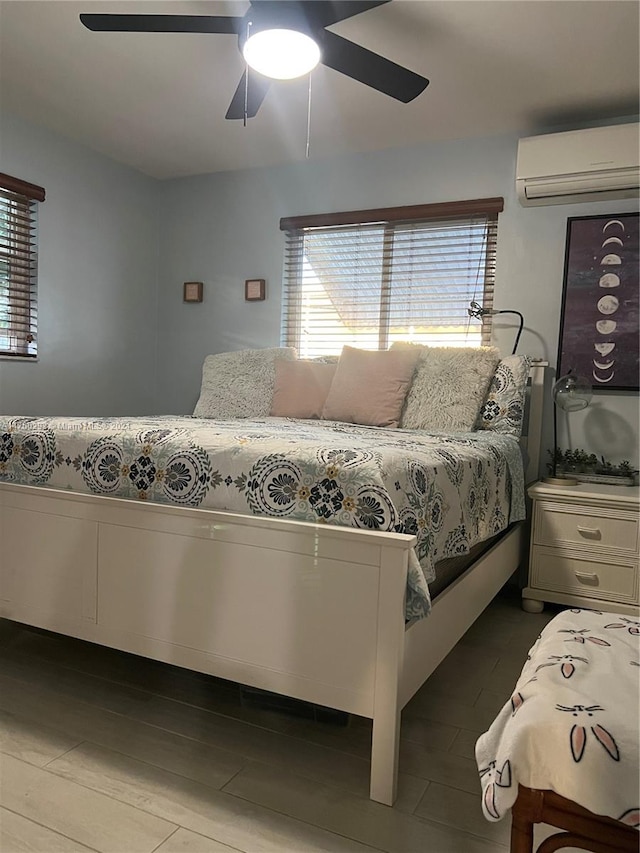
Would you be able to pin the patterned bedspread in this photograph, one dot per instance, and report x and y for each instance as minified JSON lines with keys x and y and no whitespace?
{"x":450,"y":491}
{"x":571,"y":725}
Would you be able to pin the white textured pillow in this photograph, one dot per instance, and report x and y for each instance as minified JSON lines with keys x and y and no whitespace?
{"x":239,"y":384}
{"x":449,"y":387}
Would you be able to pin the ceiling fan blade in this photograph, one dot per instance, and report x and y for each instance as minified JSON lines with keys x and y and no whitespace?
{"x":162,"y":23}
{"x":370,"y":68}
{"x":331,"y":11}
{"x":258,"y":88}
{"x":317,"y":13}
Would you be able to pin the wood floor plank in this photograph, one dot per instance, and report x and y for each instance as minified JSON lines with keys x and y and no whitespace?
{"x":464,"y":744}
{"x":114,"y":665}
{"x":442,"y":709}
{"x":355,"y":817}
{"x":450,"y":686}
{"x":438,"y":766}
{"x":74,"y":811}
{"x":68,"y":683}
{"x":244,"y":779}
{"x":461,"y":810}
{"x":20,"y":835}
{"x":32,"y":742}
{"x":493,"y":701}
{"x":185,"y":841}
{"x":356,"y":739}
{"x":479,"y":635}
{"x":506,"y":673}
{"x":217,"y":815}
{"x":112,"y":679}
{"x":281,"y":750}
{"x":186,"y":756}
{"x":427,"y":733}
{"x":467,"y":661}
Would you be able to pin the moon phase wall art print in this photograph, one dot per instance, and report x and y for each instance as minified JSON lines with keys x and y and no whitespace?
{"x":599,"y":328}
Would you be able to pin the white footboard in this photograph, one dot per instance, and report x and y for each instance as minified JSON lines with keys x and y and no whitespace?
{"x":309,"y":611}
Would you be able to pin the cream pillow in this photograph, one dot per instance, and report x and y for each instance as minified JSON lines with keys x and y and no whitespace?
{"x":369,"y":386}
{"x":239,"y":384}
{"x":301,"y":388}
{"x":449,"y":387}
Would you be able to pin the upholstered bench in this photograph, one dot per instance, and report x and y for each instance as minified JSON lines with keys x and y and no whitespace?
{"x":564,"y":749}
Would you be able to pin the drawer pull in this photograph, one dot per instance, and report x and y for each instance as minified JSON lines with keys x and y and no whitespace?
{"x":587,"y":577}
{"x":590,"y":532}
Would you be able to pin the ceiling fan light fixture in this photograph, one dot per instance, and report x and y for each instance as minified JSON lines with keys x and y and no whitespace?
{"x":281,"y":54}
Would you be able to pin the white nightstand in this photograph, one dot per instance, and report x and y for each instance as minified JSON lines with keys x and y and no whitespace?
{"x":584,"y":547}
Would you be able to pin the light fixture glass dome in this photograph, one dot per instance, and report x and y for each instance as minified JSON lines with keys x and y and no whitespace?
{"x":572,"y":393}
{"x":281,"y":54}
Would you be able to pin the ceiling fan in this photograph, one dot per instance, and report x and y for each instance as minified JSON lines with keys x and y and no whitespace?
{"x":282,"y":39}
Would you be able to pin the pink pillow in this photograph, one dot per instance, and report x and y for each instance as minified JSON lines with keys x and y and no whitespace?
{"x":369,"y":386}
{"x":301,"y":388}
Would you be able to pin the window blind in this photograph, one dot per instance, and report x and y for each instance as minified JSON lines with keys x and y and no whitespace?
{"x":369,"y":278}
{"x":18,"y":266}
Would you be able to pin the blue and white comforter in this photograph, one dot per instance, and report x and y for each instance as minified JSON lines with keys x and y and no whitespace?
{"x":450,"y":491}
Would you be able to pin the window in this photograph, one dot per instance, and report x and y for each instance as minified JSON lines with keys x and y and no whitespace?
{"x":18,"y":266}
{"x":369,"y":278}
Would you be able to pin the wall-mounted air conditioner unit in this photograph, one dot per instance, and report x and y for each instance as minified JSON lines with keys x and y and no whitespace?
{"x":582,"y":165}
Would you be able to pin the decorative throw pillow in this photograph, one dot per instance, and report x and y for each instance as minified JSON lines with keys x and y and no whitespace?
{"x":301,"y":388}
{"x":369,"y":386}
{"x":503,"y":409}
{"x":325,"y":359}
{"x":448,"y":388}
{"x":239,"y":384}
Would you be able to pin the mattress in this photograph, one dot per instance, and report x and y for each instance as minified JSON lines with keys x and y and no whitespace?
{"x":450,"y":491}
{"x":450,"y":569}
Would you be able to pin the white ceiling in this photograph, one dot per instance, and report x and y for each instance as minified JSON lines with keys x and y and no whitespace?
{"x":157,"y":101}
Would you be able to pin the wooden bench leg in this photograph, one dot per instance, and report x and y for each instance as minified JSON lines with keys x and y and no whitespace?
{"x":579,"y":827}
{"x":526,"y":812}
{"x":521,"y":834}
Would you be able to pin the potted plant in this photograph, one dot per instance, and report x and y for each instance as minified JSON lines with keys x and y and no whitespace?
{"x":587,"y":468}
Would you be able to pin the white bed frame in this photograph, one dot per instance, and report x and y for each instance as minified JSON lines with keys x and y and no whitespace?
{"x":306,"y":610}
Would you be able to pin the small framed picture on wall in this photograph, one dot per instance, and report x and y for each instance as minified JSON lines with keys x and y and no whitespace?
{"x":192,"y":291}
{"x":254,"y":289}
{"x":599,"y":328}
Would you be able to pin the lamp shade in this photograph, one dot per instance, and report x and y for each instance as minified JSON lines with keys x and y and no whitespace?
{"x":572,"y":393}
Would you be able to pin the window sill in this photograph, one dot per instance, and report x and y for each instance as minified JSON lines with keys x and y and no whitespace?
{"x":21,"y":358}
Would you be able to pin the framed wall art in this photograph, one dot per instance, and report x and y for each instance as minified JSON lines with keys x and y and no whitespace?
{"x":254,"y":289}
{"x":192,"y":291}
{"x":599,"y":328}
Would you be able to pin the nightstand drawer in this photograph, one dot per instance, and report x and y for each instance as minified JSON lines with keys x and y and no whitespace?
{"x":557,"y":571}
{"x":560,"y":525}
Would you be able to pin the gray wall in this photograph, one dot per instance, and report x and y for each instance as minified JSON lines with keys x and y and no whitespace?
{"x":223,"y":228}
{"x":115,"y":247}
{"x":97,"y":309}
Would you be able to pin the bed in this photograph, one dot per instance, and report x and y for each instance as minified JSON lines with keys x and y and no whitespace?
{"x":564,"y":750}
{"x":338,"y":614}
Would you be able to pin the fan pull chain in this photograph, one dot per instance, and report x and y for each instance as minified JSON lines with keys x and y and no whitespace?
{"x":306,"y":152}
{"x":246,"y":95}
{"x":246,"y":83}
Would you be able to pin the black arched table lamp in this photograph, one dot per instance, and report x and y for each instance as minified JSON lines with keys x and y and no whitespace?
{"x":571,"y":393}
{"x":476,"y":310}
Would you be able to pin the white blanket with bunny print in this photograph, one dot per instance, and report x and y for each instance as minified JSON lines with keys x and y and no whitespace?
{"x":571,"y":725}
